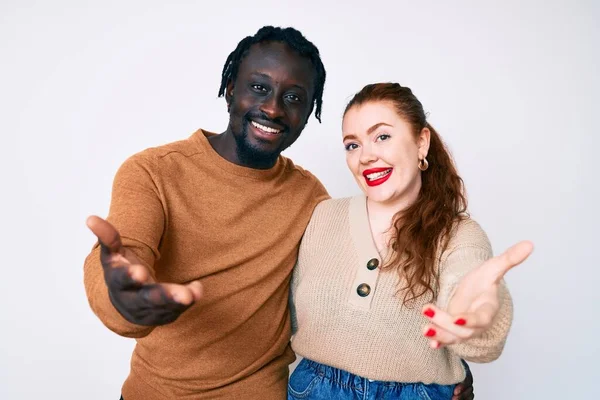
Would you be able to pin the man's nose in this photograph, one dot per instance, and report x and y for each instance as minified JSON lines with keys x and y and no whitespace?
{"x":272,"y":107}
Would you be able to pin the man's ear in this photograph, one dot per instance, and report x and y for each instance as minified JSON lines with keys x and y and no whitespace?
{"x":229,"y":94}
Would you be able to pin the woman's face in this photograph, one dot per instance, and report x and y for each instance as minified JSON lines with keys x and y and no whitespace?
{"x":383,"y":152}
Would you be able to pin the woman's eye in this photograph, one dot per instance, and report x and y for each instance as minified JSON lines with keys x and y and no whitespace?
{"x":351,"y":146}
{"x":383,"y":136}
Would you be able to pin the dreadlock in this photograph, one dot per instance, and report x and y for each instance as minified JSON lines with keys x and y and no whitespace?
{"x":295,"y":40}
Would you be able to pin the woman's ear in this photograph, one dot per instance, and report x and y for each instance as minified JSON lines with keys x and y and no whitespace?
{"x":423,"y":141}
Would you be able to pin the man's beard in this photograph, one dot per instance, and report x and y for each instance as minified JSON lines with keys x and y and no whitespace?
{"x":253,"y":155}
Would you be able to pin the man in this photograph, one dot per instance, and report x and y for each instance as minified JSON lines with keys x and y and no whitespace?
{"x":220,"y":217}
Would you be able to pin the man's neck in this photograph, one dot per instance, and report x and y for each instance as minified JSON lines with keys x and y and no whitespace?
{"x":226,"y":146}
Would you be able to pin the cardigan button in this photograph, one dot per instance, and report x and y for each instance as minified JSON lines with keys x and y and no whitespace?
{"x":372,"y":264}
{"x":363,"y":290}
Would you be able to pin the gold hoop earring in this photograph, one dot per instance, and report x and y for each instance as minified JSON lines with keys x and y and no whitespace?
{"x":423,"y":164}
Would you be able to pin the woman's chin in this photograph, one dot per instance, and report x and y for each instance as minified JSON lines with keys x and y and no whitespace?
{"x":380,"y":196}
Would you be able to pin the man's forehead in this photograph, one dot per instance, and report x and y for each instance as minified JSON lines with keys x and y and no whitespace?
{"x":270,"y":48}
{"x":277,"y":59}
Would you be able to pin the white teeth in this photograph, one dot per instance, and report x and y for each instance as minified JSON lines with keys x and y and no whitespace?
{"x":378,"y":175}
{"x":265,"y":128}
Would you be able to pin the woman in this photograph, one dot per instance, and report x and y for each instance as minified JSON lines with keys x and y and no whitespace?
{"x":392,"y":289}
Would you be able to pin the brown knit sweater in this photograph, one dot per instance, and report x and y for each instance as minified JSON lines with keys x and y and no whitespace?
{"x":190,"y":214}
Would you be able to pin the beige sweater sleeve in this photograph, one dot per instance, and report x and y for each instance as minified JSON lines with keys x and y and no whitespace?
{"x":469,"y":248}
{"x":306,"y":248}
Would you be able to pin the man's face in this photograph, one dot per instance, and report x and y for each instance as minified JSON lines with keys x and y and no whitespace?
{"x":270,"y":101}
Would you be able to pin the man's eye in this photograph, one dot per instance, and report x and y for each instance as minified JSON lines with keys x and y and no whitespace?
{"x":293,"y":97}
{"x":259,"y":88}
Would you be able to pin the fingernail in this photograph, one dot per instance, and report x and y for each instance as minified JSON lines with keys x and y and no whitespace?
{"x":429,"y":312}
{"x":460,"y":321}
{"x":430,"y":333}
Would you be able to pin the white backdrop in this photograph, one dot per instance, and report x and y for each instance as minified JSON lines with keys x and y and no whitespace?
{"x":512,"y":86}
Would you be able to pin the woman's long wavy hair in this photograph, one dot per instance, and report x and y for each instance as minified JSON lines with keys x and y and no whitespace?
{"x":422,"y":231}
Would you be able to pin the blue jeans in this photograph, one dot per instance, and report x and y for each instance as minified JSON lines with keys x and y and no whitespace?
{"x":314,"y":381}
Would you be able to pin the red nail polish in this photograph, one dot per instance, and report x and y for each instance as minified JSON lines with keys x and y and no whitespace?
{"x":429,"y":312}
{"x":430,"y":333}
{"x":460,"y":321}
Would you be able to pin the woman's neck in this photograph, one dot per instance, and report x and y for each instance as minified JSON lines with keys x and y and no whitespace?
{"x":381,"y":218}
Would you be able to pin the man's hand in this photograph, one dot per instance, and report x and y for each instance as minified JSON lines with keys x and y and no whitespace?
{"x":132,"y":290}
{"x":464,"y":390}
{"x":475,"y":303}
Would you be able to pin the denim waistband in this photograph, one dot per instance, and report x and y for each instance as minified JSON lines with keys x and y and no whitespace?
{"x":348,"y":379}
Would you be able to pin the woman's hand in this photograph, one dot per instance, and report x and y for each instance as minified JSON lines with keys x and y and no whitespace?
{"x":475,"y":303}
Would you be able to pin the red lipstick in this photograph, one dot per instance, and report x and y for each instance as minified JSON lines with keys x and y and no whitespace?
{"x":380,"y":180}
